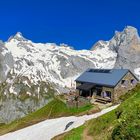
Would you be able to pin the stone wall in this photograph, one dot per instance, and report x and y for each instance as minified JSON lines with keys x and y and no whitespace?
{"x":121,"y":89}
{"x":78,"y":84}
{"x":80,"y":102}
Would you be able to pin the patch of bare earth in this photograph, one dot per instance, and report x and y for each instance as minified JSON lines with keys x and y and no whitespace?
{"x":85,"y":135}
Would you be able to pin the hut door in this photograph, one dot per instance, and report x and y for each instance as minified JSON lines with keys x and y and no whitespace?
{"x":99,"y":91}
{"x":108,"y":94}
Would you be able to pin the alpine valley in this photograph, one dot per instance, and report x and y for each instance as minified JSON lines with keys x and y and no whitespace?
{"x":31,"y":73}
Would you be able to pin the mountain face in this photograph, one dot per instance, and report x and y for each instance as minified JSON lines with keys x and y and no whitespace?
{"x":58,"y":65}
{"x":30,"y":72}
{"x":128,"y":49}
{"x":126,"y":44}
{"x":6,"y":61}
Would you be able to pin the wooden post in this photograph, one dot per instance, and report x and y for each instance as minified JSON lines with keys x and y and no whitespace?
{"x":79,"y":92}
{"x":90,"y":93}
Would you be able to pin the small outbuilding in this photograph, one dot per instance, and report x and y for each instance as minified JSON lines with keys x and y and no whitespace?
{"x":105,"y":84}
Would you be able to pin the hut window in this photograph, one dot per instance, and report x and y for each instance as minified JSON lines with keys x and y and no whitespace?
{"x":122,"y":82}
{"x":133,"y":81}
{"x":107,"y":94}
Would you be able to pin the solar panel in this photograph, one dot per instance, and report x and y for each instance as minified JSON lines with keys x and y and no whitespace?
{"x":111,"y":76}
{"x":100,"y":70}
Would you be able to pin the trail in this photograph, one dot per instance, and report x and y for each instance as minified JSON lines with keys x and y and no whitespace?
{"x":50,"y":128}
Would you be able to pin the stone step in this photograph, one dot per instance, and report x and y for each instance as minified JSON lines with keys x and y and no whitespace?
{"x":101,"y":101}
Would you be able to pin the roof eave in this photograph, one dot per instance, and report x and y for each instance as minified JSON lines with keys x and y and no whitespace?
{"x":96,"y":83}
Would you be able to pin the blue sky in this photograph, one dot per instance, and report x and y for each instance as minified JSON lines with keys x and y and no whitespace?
{"x":79,"y":23}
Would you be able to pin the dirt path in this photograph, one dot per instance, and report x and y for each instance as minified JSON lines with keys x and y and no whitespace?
{"x":86,"y":136}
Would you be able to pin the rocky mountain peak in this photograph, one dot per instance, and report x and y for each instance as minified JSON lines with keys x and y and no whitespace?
{"x":128,"y":38}
{"x":100,"y":44}
{"x":18,"y":36}
{"x":130,"y":31}
{"x":127,"y":45}
{"x":130,"y":35}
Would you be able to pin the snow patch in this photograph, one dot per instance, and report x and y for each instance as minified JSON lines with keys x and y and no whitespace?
{"x":48,"y":129}
{"x":12,"y":90}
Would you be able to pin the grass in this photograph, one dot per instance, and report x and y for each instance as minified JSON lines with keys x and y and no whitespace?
{"x":122,"y":123}
{"x":74,"y":134}
{"x":55,"y":108}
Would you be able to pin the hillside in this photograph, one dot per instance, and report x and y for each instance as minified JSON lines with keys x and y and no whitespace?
{"x":50,"y":128}
{"x":120,"y":124}
{"x":54,"y":109}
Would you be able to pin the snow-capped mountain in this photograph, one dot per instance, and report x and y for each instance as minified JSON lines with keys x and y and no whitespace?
{"x":57,"y":65}
{"x":33,"y":70}
{"x":126,"y":45}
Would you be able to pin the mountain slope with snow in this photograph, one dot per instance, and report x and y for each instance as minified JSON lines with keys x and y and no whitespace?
{"x":126,"y":44}
{"x":40,"y":68}
{"x":55,"y":64}
{"x":31,"y":71}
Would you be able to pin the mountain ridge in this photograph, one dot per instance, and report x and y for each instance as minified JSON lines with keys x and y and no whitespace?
{"x":32,"y":69}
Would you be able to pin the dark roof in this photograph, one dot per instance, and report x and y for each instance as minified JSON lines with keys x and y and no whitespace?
{"x":85,"y":86}
{"x":108,"y":77}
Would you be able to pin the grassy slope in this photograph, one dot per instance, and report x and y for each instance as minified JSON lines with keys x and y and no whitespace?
{"x":120,"y":124}
{"x":55,"y":108}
